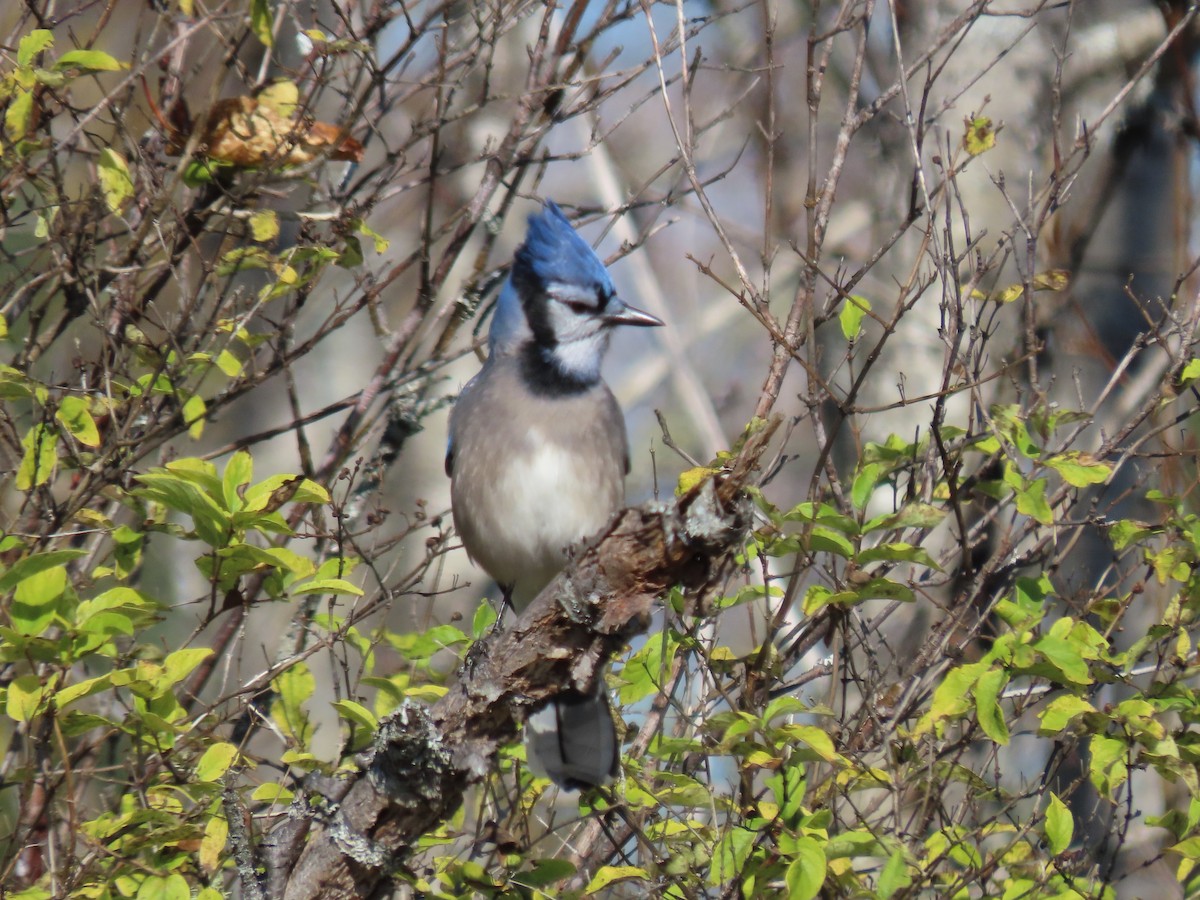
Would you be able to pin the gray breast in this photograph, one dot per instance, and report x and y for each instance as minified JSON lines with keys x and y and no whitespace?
{"x":532,"y":475}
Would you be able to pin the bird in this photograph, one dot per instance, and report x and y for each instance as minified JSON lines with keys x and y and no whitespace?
{"x":537,"y":458}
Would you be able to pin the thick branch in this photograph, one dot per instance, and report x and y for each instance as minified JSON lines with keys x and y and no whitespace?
{"x":423,"y":760}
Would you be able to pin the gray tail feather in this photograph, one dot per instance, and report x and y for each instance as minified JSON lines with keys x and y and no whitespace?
{"x":573,"y":741}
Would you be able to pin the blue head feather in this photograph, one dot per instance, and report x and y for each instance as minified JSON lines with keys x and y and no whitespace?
{"x":553,"y":253}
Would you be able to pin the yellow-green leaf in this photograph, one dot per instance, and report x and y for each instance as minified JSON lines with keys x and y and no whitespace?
{"x":115,"y":182}
{"x":41,"y":453}
{"x":216,"y":832}
{"x":216,"y":761}
{"x":693,"y":477}
{"x":271,"y":793}
{"x":164,"y":887}
{"x":987,"y":706}
{"x":74,"y":415}
{"x":264,"y":225}
{"x":19,"y":115}
{"x":33,"y":44}
{"x":260,"y":21}
{"x":328,"y":586}
{"x":89,"y":60}
{"x":894,"y":875}
{"x":381,"y":243}
{"x":816,"y":738}
{"x":194,"y":410}
{"x":1060,"y":825}
{"x":1190,"y":372}
{"x":1080,"y":469}
{"x":24,"y":698}
{"x":851,"y":316}
{"x":980,"y":135}
{"x":807,"y":871}
{"x":357,"y":713}
{"x":282,"y":96}
{"x":608,"y":875}
{"x":1060,"y":712}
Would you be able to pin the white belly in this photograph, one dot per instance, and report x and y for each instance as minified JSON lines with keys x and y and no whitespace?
{"x":520,"y":525}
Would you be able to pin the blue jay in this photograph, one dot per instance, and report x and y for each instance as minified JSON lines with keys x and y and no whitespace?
{"x":538,"y":456}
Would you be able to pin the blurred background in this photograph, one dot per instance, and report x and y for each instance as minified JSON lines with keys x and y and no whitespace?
{"x":1002,"y":191}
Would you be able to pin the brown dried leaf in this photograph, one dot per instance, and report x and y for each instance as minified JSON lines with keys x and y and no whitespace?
{"x":243,"y":132}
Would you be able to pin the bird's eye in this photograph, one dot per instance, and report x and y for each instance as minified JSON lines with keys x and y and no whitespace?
{"x":579,"y":307}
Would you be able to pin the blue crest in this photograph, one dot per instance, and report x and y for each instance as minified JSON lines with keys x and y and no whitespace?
{"x":554,"y":252}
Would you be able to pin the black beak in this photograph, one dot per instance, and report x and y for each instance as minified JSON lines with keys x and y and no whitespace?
{"x":628,"y":315}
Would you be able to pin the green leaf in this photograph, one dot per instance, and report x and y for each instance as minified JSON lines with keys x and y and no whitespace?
{"x":864,"y":483}
{"x":912,"y":515}
{"x":1108,"y":766}
{"x":485,"y":618}
{"x":86,"y":688}
{"x":645,"y":671}
{"x":238,"y":473}
{"x":829,"y":541}
{"x":33,"y":44}
{"x":1061,"y":712}
{"x":1031,"y":501}
{"x":35,"y":602}
{"x":24,"y":698}
{"x":854,"y":308}
{"x":216,"y":834}
{"x":609,"y":875}
{"x":894,"y":875}
{"x":116,"y":185}
{"x":74,"y":415}
{"x":260,"y":21}
{"x":298,"y":490}
{"x":816,"y":738}
{"x":381,"y":243}
{"x":327,"y":586}
{"x":545,"y":872}
{"x":879,"y":589}
{"x":987,"y":705}
{"x":19,"y":115}
{"x":357,"y":713}
{"x":183,"y":488}
{"x":271,"y":793}
{"x":41,"y":454}
{"x":730,"y":855}
{"x":180,"y":664}
{"x":421,"y":645}
{"x":1065,"y":656}
{"x":216,"y":761}
{"x":295,"y":685}
{"x":1190,"y":372}
{"x":951,"y":698}
{"x":229,"y":364}
{"x":194,"y":410}
{"x":898,"y":551}
{"x":1060,"y":825}
{"x":816,"y":597}
{"x":89,"y":61}
{"x":806,"y":873}
{"x":1079,"y":469}
{"x":168,"y":887}
{"x":31,"y":565}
